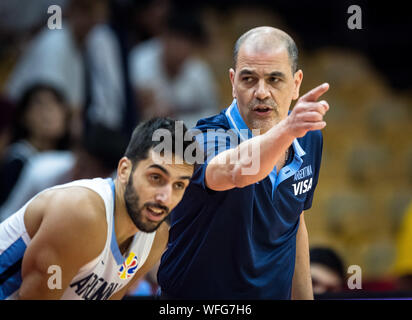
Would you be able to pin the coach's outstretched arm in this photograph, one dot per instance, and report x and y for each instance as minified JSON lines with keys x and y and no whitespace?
{"x":307,"y":115}
{"x":66,"y":231}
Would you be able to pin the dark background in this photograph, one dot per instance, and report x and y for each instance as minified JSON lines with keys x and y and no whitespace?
{"x":385,"y":36}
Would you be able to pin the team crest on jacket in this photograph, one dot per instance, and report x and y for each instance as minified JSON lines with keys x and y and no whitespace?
{"x":128,"y":268}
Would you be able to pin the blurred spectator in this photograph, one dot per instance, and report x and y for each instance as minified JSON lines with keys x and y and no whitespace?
{"x":403,"y":262}
{"x":150,"y":18}
{"x":19,"y":21}
{"x":21,"y":16}
{"x":96,"y":157}
{"x":55,"y":56}
{"x":110,"y":101}
{"x":7,"y":109}
{"x":327,"y":271}
{"x":168,"y":79}
{"x":40,"y":124}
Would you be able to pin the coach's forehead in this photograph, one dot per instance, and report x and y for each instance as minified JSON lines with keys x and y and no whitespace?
{"x":264,"y":37}
{"x":276,"y":57}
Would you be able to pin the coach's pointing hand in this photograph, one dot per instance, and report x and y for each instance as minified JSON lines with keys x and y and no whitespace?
{"x":307,"y":115}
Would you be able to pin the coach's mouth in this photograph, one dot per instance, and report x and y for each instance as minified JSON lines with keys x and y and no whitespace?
{"x":262,"y":110}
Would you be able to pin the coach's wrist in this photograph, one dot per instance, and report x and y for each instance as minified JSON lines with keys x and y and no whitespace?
{"x":282,"y":132}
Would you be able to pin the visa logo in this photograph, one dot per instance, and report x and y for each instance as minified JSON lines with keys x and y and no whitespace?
{"x":302,"y":186}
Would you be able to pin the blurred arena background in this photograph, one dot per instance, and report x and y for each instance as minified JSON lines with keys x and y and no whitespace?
{"x":365,"y":188}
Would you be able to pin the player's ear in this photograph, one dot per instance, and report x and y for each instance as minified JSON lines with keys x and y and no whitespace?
{"x":124,"y":170}
{"x":232,"y":81}
{"x":297,"y":79}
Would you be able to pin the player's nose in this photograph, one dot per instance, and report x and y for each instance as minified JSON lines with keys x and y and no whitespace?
{"x":164,"y":194}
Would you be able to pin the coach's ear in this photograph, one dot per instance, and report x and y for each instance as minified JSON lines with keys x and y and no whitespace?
{"x":124,"y":169}
{"x":232,"y":75}
{"x":297,"y":79}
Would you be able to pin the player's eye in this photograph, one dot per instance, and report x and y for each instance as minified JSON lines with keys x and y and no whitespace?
{"x":179,"y":185}
{"x":155,"y":178}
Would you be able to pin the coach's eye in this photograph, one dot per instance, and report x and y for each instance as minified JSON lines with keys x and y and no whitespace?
{"x":247,"y":79}
{"x":273,"y":79}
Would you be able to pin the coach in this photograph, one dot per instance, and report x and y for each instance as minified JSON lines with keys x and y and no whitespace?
{"x":238,"y":235}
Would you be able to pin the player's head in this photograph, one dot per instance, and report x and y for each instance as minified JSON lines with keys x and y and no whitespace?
{"x":154,"y":179}
{"x":264,"y":77}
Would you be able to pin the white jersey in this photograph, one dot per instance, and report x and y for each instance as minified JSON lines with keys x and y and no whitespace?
{"x":97,"y":280}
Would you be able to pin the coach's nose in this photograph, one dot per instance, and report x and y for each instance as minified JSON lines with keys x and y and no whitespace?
{"x":262,"y":90}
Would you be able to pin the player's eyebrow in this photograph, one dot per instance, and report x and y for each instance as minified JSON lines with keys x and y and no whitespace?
{"x":164,"y":170}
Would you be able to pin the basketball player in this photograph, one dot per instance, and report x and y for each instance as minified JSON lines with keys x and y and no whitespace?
{"x":98,"y":235}
{"x":243,"y":236}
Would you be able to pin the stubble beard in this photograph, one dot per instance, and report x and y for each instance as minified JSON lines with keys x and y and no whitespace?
{"x":264,"y":125}
{"x":135,"y":212}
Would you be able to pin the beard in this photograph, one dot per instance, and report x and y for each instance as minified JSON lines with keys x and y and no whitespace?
{"x":264,"y":124}
{"x":268,"y":102}
{"x":135,"y":211}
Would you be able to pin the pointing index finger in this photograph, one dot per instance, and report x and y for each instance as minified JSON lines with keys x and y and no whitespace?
{"x":315,"y":93}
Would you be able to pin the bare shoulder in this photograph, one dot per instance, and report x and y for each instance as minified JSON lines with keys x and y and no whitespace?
{"x":67,"y":227}
{"x":73,"y":215}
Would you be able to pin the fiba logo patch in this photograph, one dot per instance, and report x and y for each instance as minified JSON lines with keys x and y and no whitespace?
{"x":128,"y":268}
